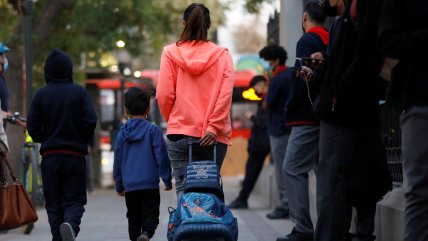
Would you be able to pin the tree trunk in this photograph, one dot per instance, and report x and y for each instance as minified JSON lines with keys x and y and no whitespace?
{"x":43,"y":26}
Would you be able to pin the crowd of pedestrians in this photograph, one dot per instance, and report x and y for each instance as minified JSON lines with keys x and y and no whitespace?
{"x":320,"y":114}
{"x":330,"y":101}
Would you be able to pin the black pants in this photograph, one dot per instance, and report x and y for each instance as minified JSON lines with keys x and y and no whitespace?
{"x":143,"y":212}
{"x":252,"y":171}
{"x":64,"y":188}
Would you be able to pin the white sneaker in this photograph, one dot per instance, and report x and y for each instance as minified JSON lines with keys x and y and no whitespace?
{"x":67,"y":232}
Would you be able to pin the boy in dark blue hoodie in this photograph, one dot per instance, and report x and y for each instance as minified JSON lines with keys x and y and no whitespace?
{"x":140,"y":158}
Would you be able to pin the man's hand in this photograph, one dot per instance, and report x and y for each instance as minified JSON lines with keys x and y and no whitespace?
{"x":20,"y":123}
{"x":122,"y":193}
{"x":305,"y":73}
{"x":208,"y":139}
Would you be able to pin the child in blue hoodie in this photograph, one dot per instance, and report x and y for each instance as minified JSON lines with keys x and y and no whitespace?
{"x":140,"y":158}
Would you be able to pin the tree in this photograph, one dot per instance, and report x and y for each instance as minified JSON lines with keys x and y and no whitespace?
{"x":253,"y":6}
{"x":247,"y":39}
{"x":91,"y":28}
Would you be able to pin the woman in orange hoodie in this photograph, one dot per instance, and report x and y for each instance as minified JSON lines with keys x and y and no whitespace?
{"x":194,"y":92}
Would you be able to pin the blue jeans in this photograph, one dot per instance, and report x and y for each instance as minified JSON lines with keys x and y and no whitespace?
{"x":414,"y":130}
{"x":178,"y":152}
{"x":278,"y":147}
{"x":300,"y":158}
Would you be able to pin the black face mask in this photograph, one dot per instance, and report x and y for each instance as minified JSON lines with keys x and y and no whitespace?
{"x":329,"y":10}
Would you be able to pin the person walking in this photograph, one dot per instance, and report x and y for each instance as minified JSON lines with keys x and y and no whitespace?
{"x":194,"y":93}
{"x":403,"y":36}
{"x":279,"y":89}
{"x":348,"y":108}
{"x":62,"y":118}
{"x":258,"y":145}
{"x":303,"y":145}
{"x":140,"y":159}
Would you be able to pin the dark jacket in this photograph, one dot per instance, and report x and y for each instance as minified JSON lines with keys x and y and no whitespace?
{"x":259,"y":137}
{"x":276,"y":97}
{"x":61,"y":117}
{"x":404,"y":36}
{"x":4,"y":95}
{"x":352,"y":74}
{"x":299,"y":107}
{"x":140,"y":157}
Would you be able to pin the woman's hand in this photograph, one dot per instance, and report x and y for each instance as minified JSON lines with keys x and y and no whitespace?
{"x":208,"y":139}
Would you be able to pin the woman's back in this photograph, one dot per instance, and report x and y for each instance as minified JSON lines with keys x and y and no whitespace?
{"x":195,"y":89}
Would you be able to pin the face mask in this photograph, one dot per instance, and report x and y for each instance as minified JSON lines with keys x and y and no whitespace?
{"x":331,"y":11}
{"x":5,"y":65}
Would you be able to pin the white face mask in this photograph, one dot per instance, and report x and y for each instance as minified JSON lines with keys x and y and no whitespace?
{"x":5,"y":63}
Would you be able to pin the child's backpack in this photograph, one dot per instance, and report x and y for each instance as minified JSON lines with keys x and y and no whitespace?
{"x":201,"y":216}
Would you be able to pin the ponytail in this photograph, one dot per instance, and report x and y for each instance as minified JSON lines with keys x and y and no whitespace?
{"x":196,"y":23}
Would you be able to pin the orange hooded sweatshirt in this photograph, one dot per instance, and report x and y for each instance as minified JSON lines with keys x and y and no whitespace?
{"x":194,"y":89}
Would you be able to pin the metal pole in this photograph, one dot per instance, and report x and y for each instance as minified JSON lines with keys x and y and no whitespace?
{"x":28,"y":9}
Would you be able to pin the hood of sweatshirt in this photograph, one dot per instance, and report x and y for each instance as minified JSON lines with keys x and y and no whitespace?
{"x":195,"y":57}
{"x":134,"y":129}
{"x":58,"y":67}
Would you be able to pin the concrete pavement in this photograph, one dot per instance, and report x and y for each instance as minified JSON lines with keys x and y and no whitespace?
{"x":105,"y":220}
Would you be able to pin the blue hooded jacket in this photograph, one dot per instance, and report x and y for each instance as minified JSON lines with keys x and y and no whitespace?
{"x":140,"y":157}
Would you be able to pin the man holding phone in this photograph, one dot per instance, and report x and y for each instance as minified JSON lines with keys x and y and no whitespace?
{"x":303,"y":145}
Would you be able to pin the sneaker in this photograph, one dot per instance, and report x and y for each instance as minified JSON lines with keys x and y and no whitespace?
{"x":67,"y":232}
{"x":296,"y":236}
{"x":238,"y":204}
{"x":143,"y":237}
{"x":278,"y":213}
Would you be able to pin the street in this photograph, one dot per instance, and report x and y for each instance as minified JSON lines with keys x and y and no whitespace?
{"x":105,"y":220}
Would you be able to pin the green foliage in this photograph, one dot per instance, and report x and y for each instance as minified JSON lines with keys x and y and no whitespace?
{"x":253,"y":6}
{"x":91,"y":28}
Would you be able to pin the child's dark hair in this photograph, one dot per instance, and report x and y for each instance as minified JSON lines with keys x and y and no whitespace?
{"x":256,"y":79}
{"x":273,"y":52}
{"x":137,"y":101}
{"x":197,"y":22}
{"x":315,"y":12}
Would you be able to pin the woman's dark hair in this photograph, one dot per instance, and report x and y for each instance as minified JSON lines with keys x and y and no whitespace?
{"x":273,"y":52}
{"x":196,"y":23}
{"x":137,"y":101}
{"x":315,"y":12}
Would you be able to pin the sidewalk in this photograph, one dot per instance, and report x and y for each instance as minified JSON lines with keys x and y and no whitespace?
{"x":105,"y":220}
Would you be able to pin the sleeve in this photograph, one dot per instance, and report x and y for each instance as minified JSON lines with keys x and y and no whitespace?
{"x":297,"y":94}
{"x":90,"y":117}
{"x":161,"y":156}
{"x":273,"y":91}
{"x":396,"y":39}
{"x":35,"y":121}
{"x":260,"y":119}
{"x":165,"y":89}
{"x":365,"y":57}
{"x":223,"y":104}
{"x":117,"y":165}
{"x":3,"y":138}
